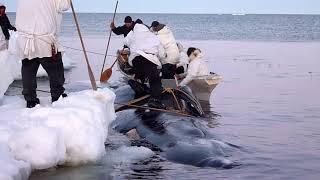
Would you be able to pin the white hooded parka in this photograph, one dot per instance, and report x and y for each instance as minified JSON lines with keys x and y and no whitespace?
{"x":196,"y":69}
{"x":170,"y":45}
{"x":37,"y":23}
{"x":144,"y":43}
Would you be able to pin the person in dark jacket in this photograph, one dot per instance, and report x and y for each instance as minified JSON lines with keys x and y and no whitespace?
{"x":5,"y":23}
{"x":125,"y":29}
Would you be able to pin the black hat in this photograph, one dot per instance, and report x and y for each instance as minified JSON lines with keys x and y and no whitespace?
{"x":127,"y":19}
{"x":191,"y":50}
{"x":155,"y":24}
{"x":139,"y":21}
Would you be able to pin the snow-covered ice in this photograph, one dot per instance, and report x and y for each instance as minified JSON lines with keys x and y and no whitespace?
{"x":8,"y":71}
{"x":71,"y":131}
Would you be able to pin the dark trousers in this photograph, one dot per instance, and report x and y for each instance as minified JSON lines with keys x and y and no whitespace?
{"x":55,"y":71}
{"x":143,"y":69}
{"x":168,"y":71}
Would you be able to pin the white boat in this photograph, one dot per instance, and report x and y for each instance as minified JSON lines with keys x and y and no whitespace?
{"x":202,"y":87}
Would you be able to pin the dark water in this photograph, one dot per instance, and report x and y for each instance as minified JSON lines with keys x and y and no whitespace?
{"x":268,"y":103}
{"x":211,"y":27}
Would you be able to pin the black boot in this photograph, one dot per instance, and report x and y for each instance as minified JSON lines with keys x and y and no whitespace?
{"x":32,"y":104}
{"x":54,"y":99}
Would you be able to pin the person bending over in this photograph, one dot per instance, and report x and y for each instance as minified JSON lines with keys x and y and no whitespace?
{"x":169,"y":63}
{"x":146,"y":50}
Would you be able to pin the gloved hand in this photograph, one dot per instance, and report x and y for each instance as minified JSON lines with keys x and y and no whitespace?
{"x":112,"y":26}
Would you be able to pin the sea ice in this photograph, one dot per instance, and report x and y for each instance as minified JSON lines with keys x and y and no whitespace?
{"x":71,"y":131}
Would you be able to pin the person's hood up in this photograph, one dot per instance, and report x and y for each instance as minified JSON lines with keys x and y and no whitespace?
{"x":140,"y":28}
{"x":163,"y":30}
{"x":195,"y":55}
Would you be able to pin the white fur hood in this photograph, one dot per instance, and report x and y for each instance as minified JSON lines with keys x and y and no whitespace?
{"x":170,"y":45}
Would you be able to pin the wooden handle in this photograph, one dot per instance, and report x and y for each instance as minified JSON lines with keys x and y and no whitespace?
{"x":106,"y":54}
{"x":91,"y":76}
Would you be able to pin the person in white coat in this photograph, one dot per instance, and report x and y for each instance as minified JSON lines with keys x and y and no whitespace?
{"x":196,"y":66}
{"x":37,"y":23}
{"x":169,"y":63}
{"x":146,"y":52}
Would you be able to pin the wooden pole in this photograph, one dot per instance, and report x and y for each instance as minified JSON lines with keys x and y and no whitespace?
{"x":91,"y":76}
{"x":156,"y":109}
{"x":106,"y":54}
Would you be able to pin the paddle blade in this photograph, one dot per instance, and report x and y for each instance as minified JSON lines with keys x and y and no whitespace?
{"x":105,"y":76}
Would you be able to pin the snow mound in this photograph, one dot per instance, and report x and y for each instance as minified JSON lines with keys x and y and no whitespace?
{"x":12,"y":168}
{"x":71,"y":131}
{"x":8,"y":71}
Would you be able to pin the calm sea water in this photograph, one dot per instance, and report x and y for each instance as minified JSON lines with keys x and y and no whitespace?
{"x":211,"y":27}
{"x":268,"y":103}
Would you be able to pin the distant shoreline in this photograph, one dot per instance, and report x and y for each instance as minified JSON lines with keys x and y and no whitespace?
{"x":231,"y":14}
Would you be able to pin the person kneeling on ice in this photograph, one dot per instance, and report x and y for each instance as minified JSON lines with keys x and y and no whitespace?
{"x":37,"y":26}
{"x":146,"y":50}
{"x":169,"y":63}
{"x":196,"y":66}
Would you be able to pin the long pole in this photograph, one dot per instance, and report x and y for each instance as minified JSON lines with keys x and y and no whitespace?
{"x":155,"y":109}
{"x":91,"y":76}
{"x":106,"y":54}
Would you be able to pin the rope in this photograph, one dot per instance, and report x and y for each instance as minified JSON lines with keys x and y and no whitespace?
{"x":169,"y":90}
{"x":39,"y":90}
{"x":91,"y":52}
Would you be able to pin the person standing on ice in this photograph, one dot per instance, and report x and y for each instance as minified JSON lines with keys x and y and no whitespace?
{"x":5,"y":23}
{"x":146,"y":52}
{"x":125,"y":29}
{"x":196,"y":66}
{"x":37,"y":23}
{"x":169,"y":63}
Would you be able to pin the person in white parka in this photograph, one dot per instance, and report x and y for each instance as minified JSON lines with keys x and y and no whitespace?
{"x":196,"y":66}
{"x":37,"y":23}
{"x":146,"y":50}
{"x":169,"y":63}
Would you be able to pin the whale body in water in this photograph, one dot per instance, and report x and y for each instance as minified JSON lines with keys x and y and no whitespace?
{"x":180,"y":139}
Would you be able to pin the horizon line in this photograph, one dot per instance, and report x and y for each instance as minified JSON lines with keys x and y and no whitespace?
{"x":239,"y":14}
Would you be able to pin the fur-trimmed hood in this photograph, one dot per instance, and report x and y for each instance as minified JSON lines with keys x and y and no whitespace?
{"x":195,"y":54}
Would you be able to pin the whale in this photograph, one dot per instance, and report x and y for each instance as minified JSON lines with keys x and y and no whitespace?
{"x":180,"y":139}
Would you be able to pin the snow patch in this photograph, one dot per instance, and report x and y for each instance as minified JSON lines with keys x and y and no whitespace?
{"x":8,"y":71}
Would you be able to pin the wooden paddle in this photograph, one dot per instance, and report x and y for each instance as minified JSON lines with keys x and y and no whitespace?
{"x":105,"y":75}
